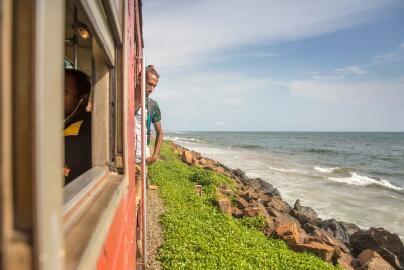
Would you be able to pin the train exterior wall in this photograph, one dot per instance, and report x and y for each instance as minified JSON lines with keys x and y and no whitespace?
{"x":119,"y":250}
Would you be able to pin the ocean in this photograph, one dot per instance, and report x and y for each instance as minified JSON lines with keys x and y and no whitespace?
{"x":352,"y":177}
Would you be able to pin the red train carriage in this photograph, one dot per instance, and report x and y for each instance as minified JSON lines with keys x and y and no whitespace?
{"x":97,"y":220}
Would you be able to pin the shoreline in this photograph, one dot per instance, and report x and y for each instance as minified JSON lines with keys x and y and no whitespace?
{"x":257,"y":196}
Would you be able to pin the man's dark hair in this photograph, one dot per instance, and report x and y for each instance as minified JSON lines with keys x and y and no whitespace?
{"x":82,"y":81}
{"x":152,"y":70}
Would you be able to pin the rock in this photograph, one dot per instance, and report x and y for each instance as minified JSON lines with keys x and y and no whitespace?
{"x":325,"y":252}
{"x":219,"y":170}
{"x":257,"y":209}
{"x":340,"y":230}
{"x":278,"y":205}
{"x":250,"y":195}
{"x":226,"y":191}
{"x":209,"y":167}
{"x":224,"y":206}
{"x":268,"y":231}
{"x":371,"y":260}
{"x":195,"y":162}
{"x":290,"y":233}
{"x":237,"y":212}
{"x":240,"y":202}
{"x":202,"y":162}
{"x":319,"y":235}
{"x":304,"y":214}
{"x":281,"y":217}
{"x":241,"y":175}
{"x":264,"y":187}
{"x":343,"y":259}
{"x":367,"y":255}
{"x":387,"y":244}
{"x":186,"y":157}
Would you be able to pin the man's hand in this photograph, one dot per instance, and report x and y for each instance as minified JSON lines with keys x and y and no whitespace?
{"x":152,"y":159}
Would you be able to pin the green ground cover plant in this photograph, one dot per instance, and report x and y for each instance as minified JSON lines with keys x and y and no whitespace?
{"x":198,"y":236}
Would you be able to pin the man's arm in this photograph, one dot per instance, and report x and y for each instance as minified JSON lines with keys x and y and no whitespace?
{"x":157,"y":144}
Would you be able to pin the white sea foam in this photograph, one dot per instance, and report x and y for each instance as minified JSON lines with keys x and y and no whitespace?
{"x":286,"y":170}
{"x":182,"y":139}
{"x":363,"y":181}
{"x":325,"y":170}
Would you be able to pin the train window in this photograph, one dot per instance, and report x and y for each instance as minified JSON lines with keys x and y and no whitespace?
{"x":93,"y":45}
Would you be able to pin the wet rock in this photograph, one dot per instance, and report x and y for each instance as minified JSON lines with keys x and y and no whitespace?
{"x":387,"y":244}
{"x":304,"y":214}
{"x":340,"y":230}
{"x":186,"y":157}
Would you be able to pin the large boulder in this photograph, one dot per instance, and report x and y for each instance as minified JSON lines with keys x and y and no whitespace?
{"x":290,"y":233}
{"x":281,"y":217}
{"x":319,"y":235}
{"x":278,"y":205}
{"x":324,"y":251}
{"x":304,"y":214}
{"x":241,"y":175}
{"x":371,"y":260}
{"x":387,"y":244}
{"x":257,"y":184}
{"x":186,"y":157}
{"x":340,"y":230}
{"x":256,"y":209}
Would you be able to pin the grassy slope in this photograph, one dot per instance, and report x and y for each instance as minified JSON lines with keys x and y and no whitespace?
{"x":197,"y":236}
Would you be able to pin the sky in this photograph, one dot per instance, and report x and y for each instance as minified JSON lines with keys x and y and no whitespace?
{"x":267,"y":65}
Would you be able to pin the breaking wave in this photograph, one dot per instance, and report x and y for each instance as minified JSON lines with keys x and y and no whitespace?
{"x":362,"y":181}
{"x":325,"y":170}
{"x":182,"y":139}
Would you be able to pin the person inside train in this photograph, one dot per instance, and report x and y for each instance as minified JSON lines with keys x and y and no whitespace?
{"x":77,"y":124}
{"x":153,"y":117}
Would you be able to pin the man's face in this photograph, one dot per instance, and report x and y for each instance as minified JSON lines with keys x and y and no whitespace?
{"x":72,"y":98}
{"x":151,"y":83}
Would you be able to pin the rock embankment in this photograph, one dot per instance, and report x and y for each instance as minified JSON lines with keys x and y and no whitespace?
{"x":299,"y":226}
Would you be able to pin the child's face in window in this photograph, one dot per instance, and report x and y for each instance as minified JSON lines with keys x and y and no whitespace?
{"x":72,"y":98}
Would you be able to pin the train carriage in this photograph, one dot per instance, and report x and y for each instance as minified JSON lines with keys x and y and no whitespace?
{"x":97,"y":220}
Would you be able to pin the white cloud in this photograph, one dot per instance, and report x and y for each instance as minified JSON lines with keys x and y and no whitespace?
{"x":402,"y":45}
{"x":201,"y":97}
{"x":184,"y":32}
{"x":355,"y":70}
{"x":381,"y":92}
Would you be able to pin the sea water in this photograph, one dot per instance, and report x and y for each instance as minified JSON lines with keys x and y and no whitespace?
{"x":352,"y":177}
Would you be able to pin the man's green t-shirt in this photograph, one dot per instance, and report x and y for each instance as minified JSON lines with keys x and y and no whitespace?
{"x":153,"y":115}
